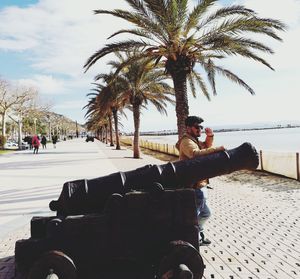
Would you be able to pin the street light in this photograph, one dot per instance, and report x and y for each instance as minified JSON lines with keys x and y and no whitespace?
{"x":34,"y":121}
{"x":77,"y":133}
{"x":49,"y":122}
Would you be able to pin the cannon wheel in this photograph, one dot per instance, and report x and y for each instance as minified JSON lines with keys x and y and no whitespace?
{"x":181,"y":253}
{"x":53,"y":264}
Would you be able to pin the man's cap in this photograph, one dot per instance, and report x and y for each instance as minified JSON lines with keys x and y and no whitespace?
{"x":192,"y":120}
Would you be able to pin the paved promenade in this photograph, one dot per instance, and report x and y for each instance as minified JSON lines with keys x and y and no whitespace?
{"x":255,"y":225}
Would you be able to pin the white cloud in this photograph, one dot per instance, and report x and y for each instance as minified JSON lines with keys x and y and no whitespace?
{"x":46,"y":84}
{"x":287,"y":11}
{"x":16,"y":45}
{"x":57,"y":36}
{"x":60,"y":34}
{"x":78,"y":104}
{"x":72,"y":109}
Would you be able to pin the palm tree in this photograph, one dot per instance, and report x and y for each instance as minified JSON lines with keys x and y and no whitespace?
{"x":166,"y":30}
{"x":112,"y":99}
{"x":141,"y":84}
{"x":108,"y":101}
{"x":98,"y":112}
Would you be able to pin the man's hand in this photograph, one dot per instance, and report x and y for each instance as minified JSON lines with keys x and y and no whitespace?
{"x":220,"y":148}
{"x":209,"y":132}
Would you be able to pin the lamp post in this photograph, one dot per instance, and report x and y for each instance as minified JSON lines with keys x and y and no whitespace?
{"x":49,"y":123}
{"x":34,"y":121}
{"x":77,"y":133}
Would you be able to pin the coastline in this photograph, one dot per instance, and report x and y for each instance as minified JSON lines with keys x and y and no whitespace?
{"x":172,"y":132}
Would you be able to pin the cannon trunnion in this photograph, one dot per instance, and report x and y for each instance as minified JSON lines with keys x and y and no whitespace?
{"x":127,"y":225}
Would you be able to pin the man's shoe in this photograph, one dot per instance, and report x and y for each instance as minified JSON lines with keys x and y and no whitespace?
{"x":203,"y":241}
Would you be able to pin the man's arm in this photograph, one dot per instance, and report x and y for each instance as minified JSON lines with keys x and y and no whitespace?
{"x":209,"y":137}
{"x":191,"y":149}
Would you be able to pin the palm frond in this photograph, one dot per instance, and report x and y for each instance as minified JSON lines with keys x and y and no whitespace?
{"x":192,"y":86}
{"x":249,"y":54}
{"x":138,"y":6}
{"x":137,"y":32}
{"x":230,"y":43}
{"x":238,"y":25}
{"x":210,"y":70}
{"x":201,"y":84}
{"x":234,"y":10}
{"x":228,"y":74}
{"x":110,"y":48}
{"x":195,"y":15}
{"x":145,"y":22}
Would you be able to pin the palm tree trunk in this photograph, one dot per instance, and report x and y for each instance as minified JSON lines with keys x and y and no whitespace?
{"x":115,"y":114}
{"x":136,"y":137}
{"x":110,"y":130}
{"x":106,"y":133}
{"x":103,"y":134}
{"x":182,"y":107}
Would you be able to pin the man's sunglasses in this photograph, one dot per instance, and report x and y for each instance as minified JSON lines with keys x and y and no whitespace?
{"x":198,"y":127}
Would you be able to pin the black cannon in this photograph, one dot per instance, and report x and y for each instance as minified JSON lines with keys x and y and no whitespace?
{"x":89,"y":196}
{"x":136,"y":224}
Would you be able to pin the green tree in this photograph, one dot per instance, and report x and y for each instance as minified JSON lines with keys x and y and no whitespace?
{"x":167,"y":30}
{"x":143,"y":84}
{"x":112,"y":98}
{"x":132,"y":86}
{"x":106,"y":103}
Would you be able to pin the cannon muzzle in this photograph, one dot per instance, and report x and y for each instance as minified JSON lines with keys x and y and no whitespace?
{"x":90,"y":195}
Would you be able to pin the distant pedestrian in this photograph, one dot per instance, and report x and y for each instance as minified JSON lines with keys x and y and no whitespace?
{"x":44,"y":142}
{"x":35,"y":144}
{"x":54,"y":140}
{"x":28,"y":139}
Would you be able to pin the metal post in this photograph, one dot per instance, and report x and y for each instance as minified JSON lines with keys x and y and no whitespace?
{"x":261,"y":160}
{"x":298,"y":168}
{"x":77,"y":134}
{"x":34,"y":121}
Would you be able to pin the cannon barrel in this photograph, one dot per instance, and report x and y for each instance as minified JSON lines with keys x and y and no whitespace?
{"x":90,"y":195}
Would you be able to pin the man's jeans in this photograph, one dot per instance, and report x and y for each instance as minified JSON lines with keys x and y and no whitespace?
{"x":203,"y":211}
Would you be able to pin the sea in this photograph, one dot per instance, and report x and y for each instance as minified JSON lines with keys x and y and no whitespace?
{"x":280,"y":140}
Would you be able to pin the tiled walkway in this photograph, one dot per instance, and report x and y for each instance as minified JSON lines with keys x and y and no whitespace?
{"x":254,"y":227}
{"x":7,"y":246}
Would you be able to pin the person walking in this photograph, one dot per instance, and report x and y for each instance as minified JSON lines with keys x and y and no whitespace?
{"x":28,"y":139}
{"x":35,"y":144}
{"x":44,"y":142}
{"x":189,"y":147}
{"x":54,"y":140}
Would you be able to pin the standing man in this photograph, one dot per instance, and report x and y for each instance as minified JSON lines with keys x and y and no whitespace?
{"x":189,"y":147}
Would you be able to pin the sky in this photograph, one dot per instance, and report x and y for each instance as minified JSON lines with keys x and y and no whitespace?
{"x":45,"y":43}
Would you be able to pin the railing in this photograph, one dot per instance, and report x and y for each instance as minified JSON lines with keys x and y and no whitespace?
{"x":283,"y":163}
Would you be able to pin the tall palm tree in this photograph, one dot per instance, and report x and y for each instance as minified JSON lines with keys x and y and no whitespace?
{"x":141,"y":84}
{"x":112,"y":99}
{"x":167,"y":30}
{"x":98,"y":111}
